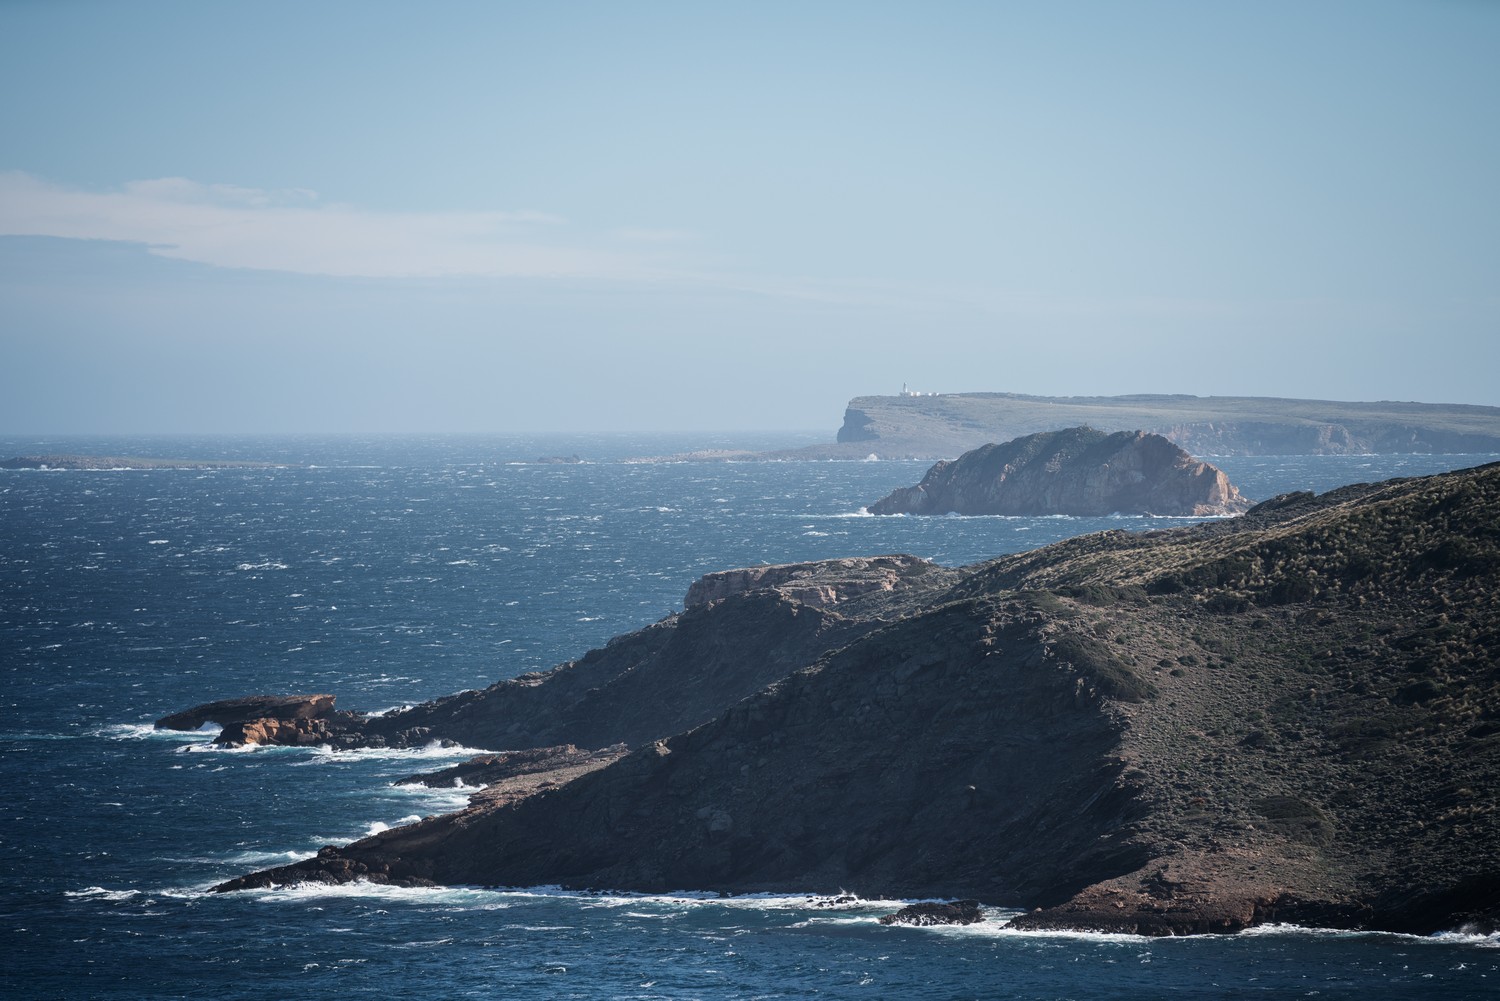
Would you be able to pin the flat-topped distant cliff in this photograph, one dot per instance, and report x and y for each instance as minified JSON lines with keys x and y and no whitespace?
{"x":948,"y":424}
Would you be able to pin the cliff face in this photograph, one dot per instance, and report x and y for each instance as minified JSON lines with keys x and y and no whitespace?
{"x":1294,"y":716}
{"x":1079,"y":472}
{"x":946,"y":425}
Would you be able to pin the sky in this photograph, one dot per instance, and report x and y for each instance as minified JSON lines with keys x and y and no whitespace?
{"x":463,"y":216}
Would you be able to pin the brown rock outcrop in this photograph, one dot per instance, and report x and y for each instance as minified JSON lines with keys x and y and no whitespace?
{"x":269,"y":730}
{"x":1078,"y":471}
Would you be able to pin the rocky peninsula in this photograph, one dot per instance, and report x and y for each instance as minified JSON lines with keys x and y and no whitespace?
{"x":1078,"y":471}
{"x":1292,"y":715}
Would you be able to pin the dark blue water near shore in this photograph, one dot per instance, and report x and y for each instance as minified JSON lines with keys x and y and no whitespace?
{"x":390,"y":570}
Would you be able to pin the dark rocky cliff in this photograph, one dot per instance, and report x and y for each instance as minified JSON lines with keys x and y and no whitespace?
{"x":1078,"y":471}
{"x":1294,"y":715}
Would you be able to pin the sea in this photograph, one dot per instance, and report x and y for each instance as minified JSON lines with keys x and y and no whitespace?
{"x":393,"y":569}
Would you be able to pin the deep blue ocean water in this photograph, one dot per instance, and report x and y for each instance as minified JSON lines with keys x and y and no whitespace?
{"x":393,"y":569}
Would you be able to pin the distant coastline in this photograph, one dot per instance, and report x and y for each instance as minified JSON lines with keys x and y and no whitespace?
{"x":929,"y":426}
{"x":56,"y":462}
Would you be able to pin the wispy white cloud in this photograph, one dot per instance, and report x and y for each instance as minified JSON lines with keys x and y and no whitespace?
{"x":295,"y":231}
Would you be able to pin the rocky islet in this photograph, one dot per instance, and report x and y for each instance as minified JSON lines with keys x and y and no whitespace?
{"x":1079,"y":472}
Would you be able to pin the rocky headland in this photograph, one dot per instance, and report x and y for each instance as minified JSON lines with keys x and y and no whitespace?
{"x":1292,"y":715}
{"x":1077,"y":471}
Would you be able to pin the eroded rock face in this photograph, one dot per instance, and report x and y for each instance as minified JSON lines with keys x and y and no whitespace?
{"x":250,"y":708}
{"x":1079,"y":471}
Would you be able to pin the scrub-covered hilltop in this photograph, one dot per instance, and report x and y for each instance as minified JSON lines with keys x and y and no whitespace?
{"x":1290,"y":716}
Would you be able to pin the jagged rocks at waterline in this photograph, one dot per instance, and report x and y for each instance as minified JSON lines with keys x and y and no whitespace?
{"x":925,"y":915}
{"x":1077,"y":471}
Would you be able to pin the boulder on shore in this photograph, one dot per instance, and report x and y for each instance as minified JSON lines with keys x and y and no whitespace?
{"x":1078,"y":471}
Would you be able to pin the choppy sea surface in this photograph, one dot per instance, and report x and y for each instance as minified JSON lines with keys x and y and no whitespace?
{"x":389,"y":570}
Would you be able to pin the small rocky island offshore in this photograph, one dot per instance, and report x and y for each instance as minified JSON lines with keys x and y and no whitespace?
{"x":1291,"y":716}
{"x":1078,"y":471}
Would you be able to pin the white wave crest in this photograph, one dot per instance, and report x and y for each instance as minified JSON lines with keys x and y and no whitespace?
{"x":435,"y":751}
{"x":148,"y":731}
{"x":468,"y":897}
{"x":380,"y":826}
{"x":100,"y":893}
{"x":1456,"y":937}
{"x":436,"y":799}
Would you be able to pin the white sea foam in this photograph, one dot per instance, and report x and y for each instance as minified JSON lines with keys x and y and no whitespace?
{"x":453,"y":896}
{"x":208,"y":747}
{"x":1458,"y":937}
{"x":148,"y":731}
{"x":380,"y":827}
{"x":100,"y":893}
{"x":324,"y":754}
{"x":997,"y":924}
{"x":1490,"y":941}
{"x":388,"y":710}
{"x":439,"y":799}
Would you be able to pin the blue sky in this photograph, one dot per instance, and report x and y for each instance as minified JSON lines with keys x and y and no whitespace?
{"x":591,"y":216}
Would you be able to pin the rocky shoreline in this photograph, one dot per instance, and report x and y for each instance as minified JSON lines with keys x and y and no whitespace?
{"x":1289,"y":716}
